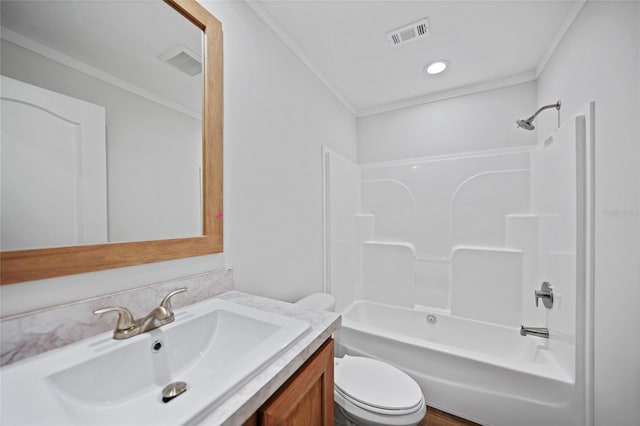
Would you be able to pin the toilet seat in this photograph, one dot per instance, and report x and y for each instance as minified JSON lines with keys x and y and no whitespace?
{"x":350,"y":414}
{"x":380,"y":410}
{"x":376,"y":387}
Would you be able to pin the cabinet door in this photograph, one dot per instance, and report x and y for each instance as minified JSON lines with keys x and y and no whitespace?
{"x":307,"y":398}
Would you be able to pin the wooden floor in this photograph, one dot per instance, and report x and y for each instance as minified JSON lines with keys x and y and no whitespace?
{"x":436,"y":417}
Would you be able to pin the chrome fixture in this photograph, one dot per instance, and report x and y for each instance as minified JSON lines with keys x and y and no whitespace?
{"x":528,"y":123}
{"x":172,"y":390}
{"x":128,"y":327}
{"x":546,"y":294}
{"x":534,"y":331}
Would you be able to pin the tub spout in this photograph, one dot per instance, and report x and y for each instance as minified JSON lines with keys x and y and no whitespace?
{"x":534,"y":331}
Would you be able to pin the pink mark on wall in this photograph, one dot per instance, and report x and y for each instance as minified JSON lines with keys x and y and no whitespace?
{"x":219,"y":215}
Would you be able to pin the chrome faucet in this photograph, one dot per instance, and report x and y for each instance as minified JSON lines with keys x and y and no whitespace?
{"x":534,"y":331}
{"x":127,"y":326}
{"x":546,"y":294}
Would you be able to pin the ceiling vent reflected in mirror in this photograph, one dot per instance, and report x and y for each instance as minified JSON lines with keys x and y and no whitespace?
{"x":184,"y":59}
{"x":411,"y":32}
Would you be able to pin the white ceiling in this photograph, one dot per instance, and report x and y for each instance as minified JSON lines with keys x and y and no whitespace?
{"x":483,"y":41}
{"x":121,"y":38}
{"x":343,"y":40}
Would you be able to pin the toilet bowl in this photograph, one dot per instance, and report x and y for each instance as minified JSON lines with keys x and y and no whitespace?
{"x":367,"y":391}
{"x":371,"y":392}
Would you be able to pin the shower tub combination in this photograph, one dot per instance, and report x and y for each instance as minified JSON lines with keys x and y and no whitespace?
{"x":461,"y":342}
{"x":480,"y":371}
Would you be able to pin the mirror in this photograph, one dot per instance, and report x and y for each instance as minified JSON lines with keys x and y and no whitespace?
{"x":111,"y":135}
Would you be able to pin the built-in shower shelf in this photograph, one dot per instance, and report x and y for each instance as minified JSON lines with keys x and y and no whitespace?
{"x":484,"y":248}
{"x":433,"y":259}
{"x":391,"y":243}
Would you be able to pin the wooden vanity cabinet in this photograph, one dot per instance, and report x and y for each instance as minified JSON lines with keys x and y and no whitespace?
{"x":306,"y":399}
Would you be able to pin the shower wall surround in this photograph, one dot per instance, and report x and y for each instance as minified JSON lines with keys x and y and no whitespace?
{"x":468,"y":238}
{"x":465,"y":233}
{"x":469,"y":235}
{"x":30,"y":334}
{"x":443,"y":218}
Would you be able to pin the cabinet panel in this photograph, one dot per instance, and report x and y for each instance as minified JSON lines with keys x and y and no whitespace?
{"x":307,"y":397}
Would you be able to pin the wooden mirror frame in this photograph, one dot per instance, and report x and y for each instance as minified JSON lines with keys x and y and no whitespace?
{"x":27,"y":265}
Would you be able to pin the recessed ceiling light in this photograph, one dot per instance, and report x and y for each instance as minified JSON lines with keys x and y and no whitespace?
{"x":436,"y":67}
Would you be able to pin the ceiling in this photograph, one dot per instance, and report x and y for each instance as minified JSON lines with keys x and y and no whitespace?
{"x":484,"y":41}
{"x":344,"y":41}
{"x":123,"y":39}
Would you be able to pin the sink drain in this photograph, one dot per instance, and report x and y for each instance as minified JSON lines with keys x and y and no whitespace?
{"x":173,"y":390}
{"x":156,"y":346}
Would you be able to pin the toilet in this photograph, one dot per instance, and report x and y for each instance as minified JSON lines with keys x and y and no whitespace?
{"x":367,"y":391}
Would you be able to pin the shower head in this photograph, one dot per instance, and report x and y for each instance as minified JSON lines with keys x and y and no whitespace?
{"x":528,"y":123}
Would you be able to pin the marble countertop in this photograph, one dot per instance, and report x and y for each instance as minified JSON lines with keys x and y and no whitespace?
{"x":246,"y":400}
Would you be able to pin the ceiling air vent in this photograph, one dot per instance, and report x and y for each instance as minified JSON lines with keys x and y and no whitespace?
{"x":184,"y":59}
{"x":410,"y":32}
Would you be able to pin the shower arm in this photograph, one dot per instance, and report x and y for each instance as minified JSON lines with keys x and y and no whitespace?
{"x":556,"y":106}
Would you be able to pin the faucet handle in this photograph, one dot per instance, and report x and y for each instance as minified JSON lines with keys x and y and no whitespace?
{"x":125,"y":318}
{"x":546,"y":294}
{"x":166,"y":302}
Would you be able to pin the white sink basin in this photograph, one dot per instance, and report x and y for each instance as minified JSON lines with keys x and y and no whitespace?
{"x":214,"y":346}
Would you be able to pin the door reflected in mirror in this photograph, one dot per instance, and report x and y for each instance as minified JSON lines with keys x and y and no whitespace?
{"x":102,"y":134}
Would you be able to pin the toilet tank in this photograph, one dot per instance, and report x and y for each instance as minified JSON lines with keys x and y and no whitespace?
{"x":318,"y":302}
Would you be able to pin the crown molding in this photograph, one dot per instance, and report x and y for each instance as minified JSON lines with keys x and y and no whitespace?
{"x":562,"y":31}
{"x":61,"y":58}
{"x":511,"y":80}
{"x":268,"y":20}
{"x":507,"y":81}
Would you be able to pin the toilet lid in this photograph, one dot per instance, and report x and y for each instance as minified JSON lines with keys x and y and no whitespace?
{"x":376,"y":384}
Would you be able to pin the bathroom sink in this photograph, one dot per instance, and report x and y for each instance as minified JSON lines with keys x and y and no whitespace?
{"x":213,"y":346}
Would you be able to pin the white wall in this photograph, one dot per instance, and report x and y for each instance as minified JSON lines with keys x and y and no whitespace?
{"x":476,"y":122}
{"x":277,"y":116}
{"x":598,"y":60}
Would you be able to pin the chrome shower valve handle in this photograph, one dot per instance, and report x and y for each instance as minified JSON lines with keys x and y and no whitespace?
{"x":546,"y":294}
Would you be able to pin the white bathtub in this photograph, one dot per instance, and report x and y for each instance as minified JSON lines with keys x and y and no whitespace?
{"x":480,"y":371}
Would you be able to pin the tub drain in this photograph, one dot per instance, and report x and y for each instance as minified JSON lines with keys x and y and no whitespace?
{"x":172,"y":390}
{"x":431,"y":319}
